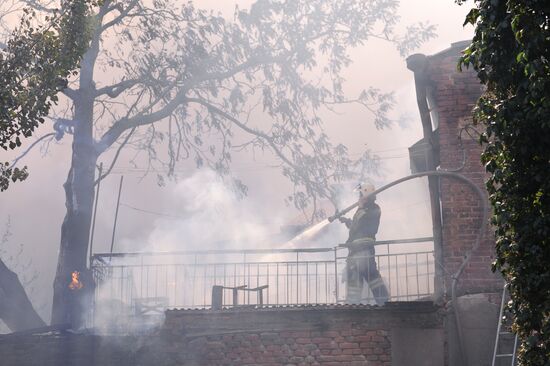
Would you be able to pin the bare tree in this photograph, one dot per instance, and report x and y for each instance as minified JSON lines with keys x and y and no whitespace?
{"x":257,"y":81}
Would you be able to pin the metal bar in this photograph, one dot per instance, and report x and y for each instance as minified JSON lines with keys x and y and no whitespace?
{"x":417,"y":279}
{"x":176,"y":286}
{"x":316,"y":283}
{"x":397,"y":275}
{"x":287,"y":288}
{"x":495,"y":350}
{"x":156,"y":280}
{"x":92,"y":231}
{"x":267,"y":274}
{"x":253,"y":251}
{"x":335,"y":274}
{"x":407,"y":276}
{"x":389,"y":274}
{"x":147,"y":282}
{"x":194,"y":282}
{"x":204,"y":287}
{"x":248,"y":283}
{"x":277,"y":280}
{"x":257,"y":277}
{"x":307,"y":282}
{"x":428,"y":271}
{"x":326,"y":284}
{"x":116,"y":214}
{"x":121,"y":286}
{"x":141,"y":279}
{"x":297,"y":280}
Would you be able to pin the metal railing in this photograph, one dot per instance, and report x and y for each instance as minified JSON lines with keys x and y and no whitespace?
{"x":292,"y":276}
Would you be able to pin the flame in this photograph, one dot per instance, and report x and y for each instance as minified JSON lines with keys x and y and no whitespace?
{"x":75,"y":283}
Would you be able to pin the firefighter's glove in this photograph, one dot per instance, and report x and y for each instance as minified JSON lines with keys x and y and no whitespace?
{"x":344,"y":220}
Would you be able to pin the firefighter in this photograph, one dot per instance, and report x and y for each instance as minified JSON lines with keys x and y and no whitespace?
{"x":361,"y":263}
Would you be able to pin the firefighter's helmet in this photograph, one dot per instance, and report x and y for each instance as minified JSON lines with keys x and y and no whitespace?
{"x":365,"y":188}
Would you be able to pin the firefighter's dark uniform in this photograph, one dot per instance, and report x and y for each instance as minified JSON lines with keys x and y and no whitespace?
{"x":361,"y":263}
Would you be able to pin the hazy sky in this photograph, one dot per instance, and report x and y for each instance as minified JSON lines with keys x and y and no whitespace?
{"x":36,"y":207}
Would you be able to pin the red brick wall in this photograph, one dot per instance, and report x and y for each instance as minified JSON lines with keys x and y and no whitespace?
{"x":331,"y":347}
{"x":291,"y":336}
{"x":455,"y":94}
{"x":311,"y":335}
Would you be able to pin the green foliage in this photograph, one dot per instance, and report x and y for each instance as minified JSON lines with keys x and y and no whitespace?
{"x":511,"y":54}
{"x":34,"y":67}
{"x":8,"y":174}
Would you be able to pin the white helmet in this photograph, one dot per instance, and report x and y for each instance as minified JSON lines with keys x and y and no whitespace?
{"x":365,"y":188}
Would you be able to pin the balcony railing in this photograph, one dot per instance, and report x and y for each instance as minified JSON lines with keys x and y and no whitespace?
{"x":140,"y":283}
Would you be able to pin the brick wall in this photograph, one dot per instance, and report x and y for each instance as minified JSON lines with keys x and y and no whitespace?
{"x":331,"y":347}
{"x":321,"y":335}
{"x":455,"y":95}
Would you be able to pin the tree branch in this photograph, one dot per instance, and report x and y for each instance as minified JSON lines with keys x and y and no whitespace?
{"x":211,"y":108}
{"x":115,"y":90}
{"x":140,"y":119}
{"x":123,"y":13}
{"x":30,"y":148}
{"x":70,"y":93}
{"x":116,"y":156}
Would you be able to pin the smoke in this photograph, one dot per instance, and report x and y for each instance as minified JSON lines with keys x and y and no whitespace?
{"x":213,"y":217}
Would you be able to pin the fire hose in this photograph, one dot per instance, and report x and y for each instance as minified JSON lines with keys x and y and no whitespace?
{"x":455,"y":277}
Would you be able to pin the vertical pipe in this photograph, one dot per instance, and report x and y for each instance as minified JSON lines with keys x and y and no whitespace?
{"x":116,"y":214}
{"x":418,"y":65}
{"x":95,"y":213}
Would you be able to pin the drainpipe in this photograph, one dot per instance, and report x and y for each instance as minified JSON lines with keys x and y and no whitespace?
{"x":418,"y":63}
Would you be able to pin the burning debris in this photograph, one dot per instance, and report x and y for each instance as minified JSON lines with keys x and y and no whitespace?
{"x":75,"y":281}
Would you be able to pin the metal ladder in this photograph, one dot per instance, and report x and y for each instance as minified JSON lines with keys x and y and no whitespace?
{"x":503,"y":332}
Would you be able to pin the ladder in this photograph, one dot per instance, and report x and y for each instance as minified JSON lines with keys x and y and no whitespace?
{"x":505,"y":339}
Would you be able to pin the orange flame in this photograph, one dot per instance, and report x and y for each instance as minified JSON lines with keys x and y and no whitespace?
{"x":75,"y":283}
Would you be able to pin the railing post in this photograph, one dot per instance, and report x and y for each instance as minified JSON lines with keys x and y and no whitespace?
{"x":336,"y":273}
{"x":235,"y":297}
{"x":217,"y":297}
{"x":297,"y":279}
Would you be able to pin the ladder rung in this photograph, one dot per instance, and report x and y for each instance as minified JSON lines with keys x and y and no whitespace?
{"x":505,"y":355}
{"x":504,"y":333}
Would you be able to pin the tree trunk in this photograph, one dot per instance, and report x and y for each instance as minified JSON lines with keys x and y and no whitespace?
{"x":16,"y":309}
{"x":70,"y":306}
